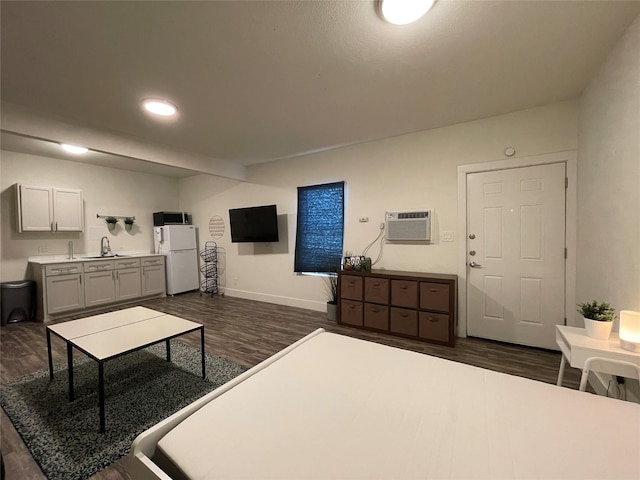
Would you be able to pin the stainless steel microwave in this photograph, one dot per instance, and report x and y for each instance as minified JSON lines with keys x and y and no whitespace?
{"x":170,"y":218}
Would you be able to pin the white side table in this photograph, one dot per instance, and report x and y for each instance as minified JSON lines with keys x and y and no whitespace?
{"x":576,"y":347}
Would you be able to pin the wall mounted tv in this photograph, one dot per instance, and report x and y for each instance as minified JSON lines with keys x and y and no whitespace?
{"x":254,"y":224}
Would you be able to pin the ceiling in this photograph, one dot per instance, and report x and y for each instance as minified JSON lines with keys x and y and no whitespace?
{"x":257,"y":81}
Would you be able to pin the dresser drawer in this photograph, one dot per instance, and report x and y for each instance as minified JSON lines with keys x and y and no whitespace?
{"x":98,"y":266}
{"x":351,"y":287}
{"x":351,"y":312}
{"x":376,"y":316}
{"x":404,"y":293}
{"x":376,"y":290}
{"x":149,"y":261}
{"x":434,"y":296}
{"x":62,"y":268}
{"x":403,"y":321}
{"x":127,"y":262}
{"x":434,"y":326}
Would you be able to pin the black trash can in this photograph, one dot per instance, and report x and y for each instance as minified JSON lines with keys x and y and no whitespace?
{"x":17,"y":301}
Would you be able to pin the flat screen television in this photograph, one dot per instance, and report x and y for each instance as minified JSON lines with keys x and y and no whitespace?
{"x":254,"y":224}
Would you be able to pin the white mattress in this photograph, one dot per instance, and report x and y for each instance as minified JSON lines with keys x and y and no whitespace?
{"x":341,"y":408}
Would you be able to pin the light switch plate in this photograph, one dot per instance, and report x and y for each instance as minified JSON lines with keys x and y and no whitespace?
{"x":447,"y":236}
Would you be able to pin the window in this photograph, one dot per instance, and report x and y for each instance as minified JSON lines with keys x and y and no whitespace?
{"x":320,"y":228}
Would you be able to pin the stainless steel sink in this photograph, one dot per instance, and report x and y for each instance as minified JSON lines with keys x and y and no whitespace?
{"x":105,"y":256}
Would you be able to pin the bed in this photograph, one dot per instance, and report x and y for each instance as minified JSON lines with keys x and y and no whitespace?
{"x":334,"y":407}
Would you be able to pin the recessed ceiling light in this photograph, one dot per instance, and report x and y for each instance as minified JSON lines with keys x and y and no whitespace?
{"x":402,"y":12}
{"x":73,"y":148}
{"x":159,"y":107}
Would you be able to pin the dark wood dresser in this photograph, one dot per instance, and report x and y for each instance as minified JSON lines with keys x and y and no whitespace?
{"x":415,"y":305}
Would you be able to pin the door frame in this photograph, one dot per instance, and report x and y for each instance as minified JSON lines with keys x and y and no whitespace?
{"x":570,"y":158}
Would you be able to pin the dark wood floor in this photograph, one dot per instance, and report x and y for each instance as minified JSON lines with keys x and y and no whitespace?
{"x":246,"y":332}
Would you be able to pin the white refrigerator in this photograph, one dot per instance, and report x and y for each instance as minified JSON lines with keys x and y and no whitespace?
{"x":178,"y":243}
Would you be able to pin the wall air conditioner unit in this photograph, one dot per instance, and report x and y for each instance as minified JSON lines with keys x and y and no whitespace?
{"x":408,"y":226}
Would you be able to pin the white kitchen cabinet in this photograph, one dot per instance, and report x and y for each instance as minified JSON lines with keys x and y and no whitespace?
{"x":64,"y":288}
{"x":128,"y":283}
{"x":153,"y":276}
{"x":99,"y":288}
{"x":94,"y":283}
{"x":49,"y":209}
{"x":108,"y":281}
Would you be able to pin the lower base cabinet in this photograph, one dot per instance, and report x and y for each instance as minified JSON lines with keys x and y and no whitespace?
{"x":415,"y":305}
{"x":64,"y":293}
{"x":73,"y":286}
{"x":99,"y":288}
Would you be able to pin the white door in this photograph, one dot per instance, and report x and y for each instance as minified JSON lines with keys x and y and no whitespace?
{"x":516,"y":254}
{"x":182,"y":271}
{"x":35,"y":209}
{"x":67,"y":207}
{"x":179,"y":237}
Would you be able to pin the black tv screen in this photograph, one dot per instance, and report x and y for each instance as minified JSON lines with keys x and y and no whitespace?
{"x":254,"y":224}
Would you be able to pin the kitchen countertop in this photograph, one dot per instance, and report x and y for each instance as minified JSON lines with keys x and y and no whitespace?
{"x":88,"y":257}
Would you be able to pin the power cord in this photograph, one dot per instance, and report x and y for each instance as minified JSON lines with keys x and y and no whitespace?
{"x":381,"y":237}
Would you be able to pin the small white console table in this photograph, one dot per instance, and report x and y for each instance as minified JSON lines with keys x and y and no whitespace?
{"x":577,"y":346}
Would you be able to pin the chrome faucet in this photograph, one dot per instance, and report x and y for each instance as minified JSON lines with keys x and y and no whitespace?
{"x":105,"y":250}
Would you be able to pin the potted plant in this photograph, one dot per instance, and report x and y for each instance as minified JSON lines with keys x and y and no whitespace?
{"x":111,"y":222}
{"x":598,"y":318}
{"x":332,"y":295}
{"x":128,"y":223}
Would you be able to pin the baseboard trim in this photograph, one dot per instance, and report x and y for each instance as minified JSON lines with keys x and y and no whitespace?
{"x":277,"y":299}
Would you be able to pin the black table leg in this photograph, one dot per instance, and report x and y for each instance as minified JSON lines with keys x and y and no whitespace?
{"x":101,"y":394}
{"x":49,"y":354}
{"x":202,"y":350}
{"x":168,"y":350}
{"x":70,"y":370}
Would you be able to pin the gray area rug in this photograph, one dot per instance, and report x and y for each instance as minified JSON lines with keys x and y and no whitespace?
{"x":141,"y":389}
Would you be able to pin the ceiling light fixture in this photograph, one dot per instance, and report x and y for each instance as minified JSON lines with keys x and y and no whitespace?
{"x":159,"y":107}
{"x":403,"y":12}
{"x":73,"y":149}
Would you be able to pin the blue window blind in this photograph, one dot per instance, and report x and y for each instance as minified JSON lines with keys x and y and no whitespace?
{"x":320,"y":228}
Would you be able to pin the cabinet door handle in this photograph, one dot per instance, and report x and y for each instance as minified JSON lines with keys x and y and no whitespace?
{"x":432,"y":319}
{"x":56,"y":226}
{"x":433,"y":290}
{"x":112,"y":276}
{"x":52,"y":226}
{"x":403,"y":287}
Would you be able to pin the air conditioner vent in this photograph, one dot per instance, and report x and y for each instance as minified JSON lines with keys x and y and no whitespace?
{"x":408,"y":226}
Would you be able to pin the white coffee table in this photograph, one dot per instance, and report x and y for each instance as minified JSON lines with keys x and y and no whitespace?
{"x":577,"y":347}
{"x":111,"y":335}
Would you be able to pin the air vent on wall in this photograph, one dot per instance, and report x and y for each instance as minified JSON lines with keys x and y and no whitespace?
{"x":408,"y":226}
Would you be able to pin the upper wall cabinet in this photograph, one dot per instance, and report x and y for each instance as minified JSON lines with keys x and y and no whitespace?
{"x":49,"y":209}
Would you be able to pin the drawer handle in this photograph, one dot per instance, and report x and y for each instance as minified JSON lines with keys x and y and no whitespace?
{"x":432,"y":319}
{"x":376,"y":284}
{"x":404,"y":315}
{"x":434,"y":290}
{"x":403,"y":287}
{"x":352,"y":307}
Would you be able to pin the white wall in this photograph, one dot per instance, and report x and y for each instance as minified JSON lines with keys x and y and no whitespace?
{"x":609,"y":179}
{"x":106,"y":191}
{"x":608,"y":264}
{"x":402,"y":173}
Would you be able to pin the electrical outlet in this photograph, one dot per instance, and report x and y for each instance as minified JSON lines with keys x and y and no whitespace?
{"x":363,"y":219}
{"x":43,"y":249}
{"x":447,"y":236}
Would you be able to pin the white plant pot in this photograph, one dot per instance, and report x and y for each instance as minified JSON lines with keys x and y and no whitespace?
{"x":332,"y":310}
{"x":596,"y":329}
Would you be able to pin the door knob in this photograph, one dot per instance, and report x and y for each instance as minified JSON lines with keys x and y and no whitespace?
{"x":472,"y":236}
{"x":474,"y":265}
